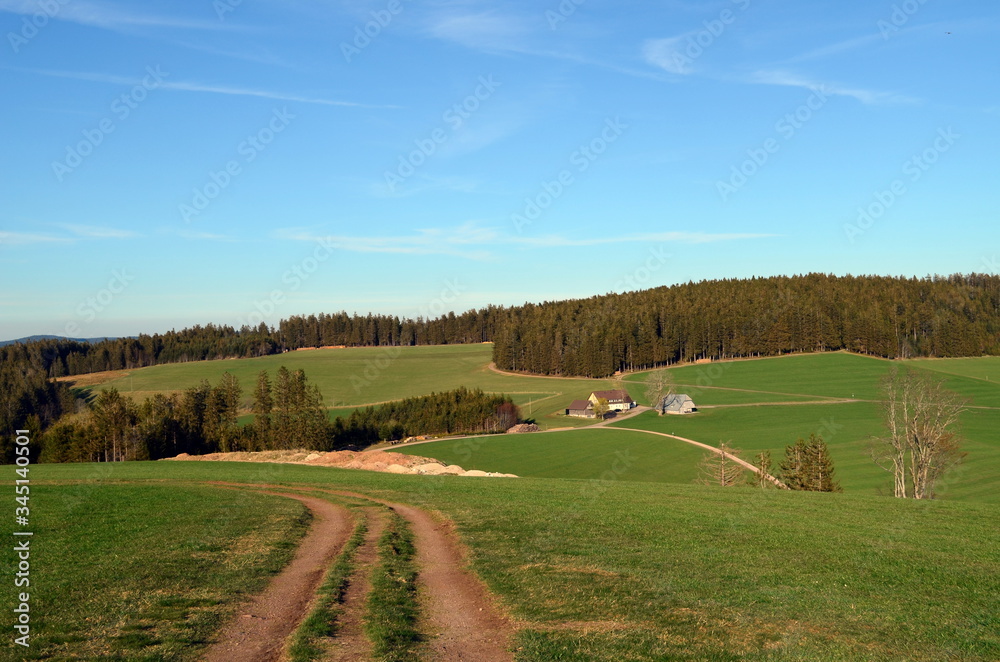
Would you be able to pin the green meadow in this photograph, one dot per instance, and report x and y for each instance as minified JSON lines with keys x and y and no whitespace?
{"x":602,"y":570}
{"x":360,"y":376}
{"x":126,"y":571}
{"x":589,"y":454}
{"x":756,"y":405}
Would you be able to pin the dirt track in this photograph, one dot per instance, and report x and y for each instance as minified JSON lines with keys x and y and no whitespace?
{"x":459,"y":617}
{"x":259,"y":630}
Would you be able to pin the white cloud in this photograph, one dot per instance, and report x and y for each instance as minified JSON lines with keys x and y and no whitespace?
{"x":459,"y":240}
{"x":94,"y":232}
{"x":482,"y":31}
{"x":190,"y":86}
{"x":839,"y":47}
{"x":793,"y":80}
{"x":22,"y":238}
{"x":108,"y":17}
{"x":667,"y":54}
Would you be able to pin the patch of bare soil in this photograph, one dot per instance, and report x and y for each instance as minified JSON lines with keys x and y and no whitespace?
{"x":260,"y":627}
{"x":387,"y":462}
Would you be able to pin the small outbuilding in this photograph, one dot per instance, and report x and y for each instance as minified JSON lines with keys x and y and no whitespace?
{"x":581,"y":408}
{"x":676,"y":403}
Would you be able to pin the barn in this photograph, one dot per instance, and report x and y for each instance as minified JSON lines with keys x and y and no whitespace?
{"x":676,"y":403}
{"x":581,"y":408}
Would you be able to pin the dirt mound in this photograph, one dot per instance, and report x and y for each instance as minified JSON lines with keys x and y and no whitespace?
{"x":388,"y":462}
{"x":522,"y":428}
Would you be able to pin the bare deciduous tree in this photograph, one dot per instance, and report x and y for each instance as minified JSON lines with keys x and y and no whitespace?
{"x":659,"y":385}
{"x":762,"y":477}
{"x":722,"y":468}
{"x":922,"y":441}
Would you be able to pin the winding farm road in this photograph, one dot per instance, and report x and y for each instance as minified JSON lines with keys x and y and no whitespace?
{"x":260,"y":628}
{"x":460,"y":618}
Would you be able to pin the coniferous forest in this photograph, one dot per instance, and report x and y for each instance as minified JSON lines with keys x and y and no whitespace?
{"x":880,"y":316}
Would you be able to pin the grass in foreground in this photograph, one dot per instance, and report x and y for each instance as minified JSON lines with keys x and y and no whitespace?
{"x":615,"y":570}
{"x":136,"y":572}
{"x":391,"y":610}
{"x":306,"y":642}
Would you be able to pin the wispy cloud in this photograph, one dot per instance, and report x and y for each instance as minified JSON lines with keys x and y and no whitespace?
{"x":838,"y":48}
{"x":473,"y":241}
{"x":787,"y":79}
{"x":110,"y":17}
{"x":94,"y":232}
{"x":22,"y":238}
{"x":667,"y":55}
{"x":488,"y":30}
{"x":191,"y":86}
{"x":421,"y":183}
{"x":651,"y":237}
{"x":492,"y":32}
{"x":204,"y":236}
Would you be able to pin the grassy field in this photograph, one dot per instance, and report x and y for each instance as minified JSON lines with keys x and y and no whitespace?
{"x":353,"y":377}
{"x":986,"y":368}
{"x":126,"y":572}
{"x":727,"y":391}
{"x":597,"y":570}
{"x":586,"y":454}
{"x":847,"y":429}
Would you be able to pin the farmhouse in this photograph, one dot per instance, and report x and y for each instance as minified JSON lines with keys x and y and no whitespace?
{"x":676,"y":403}
{"x":617,"y":400}
{"x":581,"y":408}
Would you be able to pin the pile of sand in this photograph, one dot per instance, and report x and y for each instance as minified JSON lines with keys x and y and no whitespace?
{"x":393,"y":463}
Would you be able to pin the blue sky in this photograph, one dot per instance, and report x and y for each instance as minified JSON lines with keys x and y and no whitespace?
{"x":174,"y":163}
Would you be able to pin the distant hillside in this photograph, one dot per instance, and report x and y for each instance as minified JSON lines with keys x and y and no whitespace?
{"x":882,"y":316}
{"x":27,"y":339}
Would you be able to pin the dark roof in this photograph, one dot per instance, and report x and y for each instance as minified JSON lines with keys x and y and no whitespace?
{"x":580,"y":404}
{"x":614,"y":396}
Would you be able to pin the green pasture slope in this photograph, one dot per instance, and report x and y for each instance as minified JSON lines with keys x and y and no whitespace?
{"x":589,"y":570}
{"x":589,"y":454}
{"x":836,"y":396}
{"x":762,"y":404}
{"x":360,"y":376}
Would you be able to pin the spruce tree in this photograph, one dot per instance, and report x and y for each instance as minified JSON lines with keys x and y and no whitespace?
{"x":819,"y":467}
{"x":794,"y":466}
{"x":263,"y":403}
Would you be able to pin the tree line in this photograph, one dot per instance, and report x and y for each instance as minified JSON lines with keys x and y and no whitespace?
{"x":880,"y":316}
{"x":288,"y":413}
{"x":58,"y":357}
